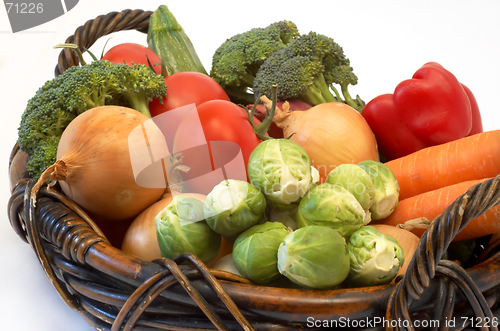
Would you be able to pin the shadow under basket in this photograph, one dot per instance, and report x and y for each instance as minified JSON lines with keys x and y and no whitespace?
{"x":115,"y":291}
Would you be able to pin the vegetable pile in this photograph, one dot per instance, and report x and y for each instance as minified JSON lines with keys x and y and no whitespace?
{"x":313,"y":189}
{"x":77,"y":90}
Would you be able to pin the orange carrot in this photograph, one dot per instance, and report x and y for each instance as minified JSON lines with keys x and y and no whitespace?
{"x":423,"y":208}
{"x":470,"y":158}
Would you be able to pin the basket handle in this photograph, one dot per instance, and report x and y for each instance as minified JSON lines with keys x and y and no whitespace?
{"x":426,"y":261}
{"x":86,"y":35}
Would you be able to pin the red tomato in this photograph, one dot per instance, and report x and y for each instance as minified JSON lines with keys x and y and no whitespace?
{"x":221,"y":121}
{"x":136,"y":53}
{"x":184,"y":88}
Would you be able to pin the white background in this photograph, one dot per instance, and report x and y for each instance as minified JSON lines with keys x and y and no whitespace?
{"x":386,"y":41}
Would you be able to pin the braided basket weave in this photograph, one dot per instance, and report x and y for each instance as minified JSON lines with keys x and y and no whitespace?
{"x":116,"y":291}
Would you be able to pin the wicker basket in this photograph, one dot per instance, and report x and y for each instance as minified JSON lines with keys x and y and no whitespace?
{"x":116,"y":291}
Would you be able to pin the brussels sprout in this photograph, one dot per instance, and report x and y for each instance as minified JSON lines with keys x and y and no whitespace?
{"x":255,"y":252}
{"x":354,"y":179}
{"x":315,"y":177}
{"x":281,"y":169}
{"x":314,"y":257}
{"x":332,"y":206}
{"x":233,"y":206}
{"x":226,"y":263}
{"x":375,"y":257}
{"x":386,"y":188}
{"x":285,"y":216}
{"x":181,"y":228}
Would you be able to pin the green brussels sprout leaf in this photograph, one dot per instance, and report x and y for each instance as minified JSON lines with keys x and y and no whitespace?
{"x":255,"y":252}
{"x":354,"y":179}
{"x":281,"y":169}
{"x":386,"y":188}
{"x":233,"y":206}
{"x":181,"y":228}
{"x":332,"y":206}
{"x":314,"y":257}
{"x":375,"y":257}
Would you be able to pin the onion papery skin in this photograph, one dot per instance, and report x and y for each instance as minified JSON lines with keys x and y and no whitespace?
{"x":98,"y":170}
{"x":331,"y":133}
{"x":140,"y":239}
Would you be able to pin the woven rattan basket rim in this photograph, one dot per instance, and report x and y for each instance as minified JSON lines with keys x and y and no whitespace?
{"x":265,"y":307}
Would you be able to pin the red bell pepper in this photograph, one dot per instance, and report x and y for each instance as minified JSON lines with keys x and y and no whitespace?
{"x":477,"y":123}
{"x":429,"y":109}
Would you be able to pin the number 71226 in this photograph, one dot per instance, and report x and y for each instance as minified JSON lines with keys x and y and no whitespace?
{"x":24,"y":7}
{"x":478,"y":322}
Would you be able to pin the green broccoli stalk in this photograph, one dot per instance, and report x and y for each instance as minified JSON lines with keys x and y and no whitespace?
{"x":136,"y":84}
{"x":236,"y":62}
{"x":76,"y":90}
{"x":306,"y":69}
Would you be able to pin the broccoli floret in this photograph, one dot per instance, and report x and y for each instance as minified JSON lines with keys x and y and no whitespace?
{"x":236,"y":62}
{"x":45,"y":153}
{"x":306,"y":69}
{"x":76,"y":90}
{"x":136,"y":85}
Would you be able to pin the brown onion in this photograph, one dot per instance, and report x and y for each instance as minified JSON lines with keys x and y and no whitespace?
{"x":331,"y":133}
{"x":140,"y":239}
{"x":94,"y":165}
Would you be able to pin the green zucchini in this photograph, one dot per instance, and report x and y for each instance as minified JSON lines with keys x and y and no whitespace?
{"x":167,"y":38}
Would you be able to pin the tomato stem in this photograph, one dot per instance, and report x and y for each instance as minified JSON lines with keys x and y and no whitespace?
{"x":262,"y":128}
{"x":91,"y":54}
